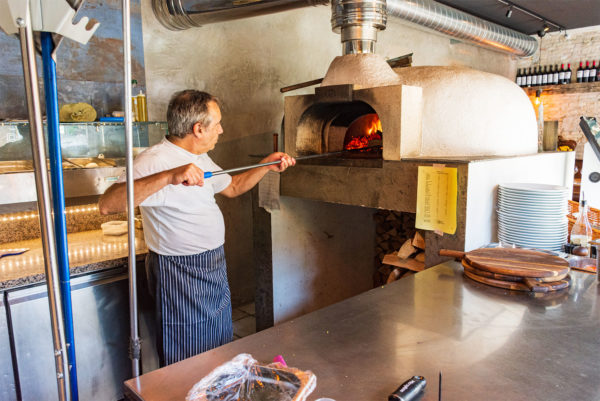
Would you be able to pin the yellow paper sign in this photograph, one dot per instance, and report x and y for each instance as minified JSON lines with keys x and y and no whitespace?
{"x":436,"y":199}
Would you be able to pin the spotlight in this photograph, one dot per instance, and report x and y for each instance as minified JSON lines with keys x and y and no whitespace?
{"x":509,"y":12}
{"x":543,"y":31}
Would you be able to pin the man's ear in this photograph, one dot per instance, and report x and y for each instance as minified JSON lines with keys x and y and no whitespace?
{"x":198,"y":130}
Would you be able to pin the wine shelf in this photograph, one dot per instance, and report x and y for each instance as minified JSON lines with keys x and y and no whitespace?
{"x":577,"y":87}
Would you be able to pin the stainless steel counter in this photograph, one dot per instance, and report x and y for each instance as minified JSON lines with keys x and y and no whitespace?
{"x":489,"y":344}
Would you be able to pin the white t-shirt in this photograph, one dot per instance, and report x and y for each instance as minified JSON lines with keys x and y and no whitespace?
{"x":178,"y":219}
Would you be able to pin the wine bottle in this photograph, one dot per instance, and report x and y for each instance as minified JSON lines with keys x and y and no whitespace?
{"x":561,"y":75}
{"x":528,"y":78}
{"x":534,"y":77}
{"x":568,"y":74}
{"x":580,"y":72}
{"x":581,"y":233}
{"x":524,"y":77}
{"x":593,"y":72}
{"x":518,"y":79}
{"x":586,"y":72}
{"x":555,"y":75}
{"x":539,"y":75}
{"x":545,"y":76}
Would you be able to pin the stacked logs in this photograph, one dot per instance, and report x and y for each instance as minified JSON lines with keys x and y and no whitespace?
{"x":392,"y":230}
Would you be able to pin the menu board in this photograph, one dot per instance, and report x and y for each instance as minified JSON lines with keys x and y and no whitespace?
{"x":436,"y":199}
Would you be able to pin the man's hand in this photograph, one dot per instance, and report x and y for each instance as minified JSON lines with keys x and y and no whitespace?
{"x":188,"y":174}
{"x":286,"y":161}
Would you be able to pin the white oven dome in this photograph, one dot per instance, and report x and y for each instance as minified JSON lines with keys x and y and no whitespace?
{"x":468,"y":112}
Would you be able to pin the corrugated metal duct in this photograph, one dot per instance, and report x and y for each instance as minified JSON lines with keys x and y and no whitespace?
{"x":184,"y":14}
{"x":463,"y":26}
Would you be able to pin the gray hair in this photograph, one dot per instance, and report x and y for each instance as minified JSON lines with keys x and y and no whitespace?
{"x":187,"y":108}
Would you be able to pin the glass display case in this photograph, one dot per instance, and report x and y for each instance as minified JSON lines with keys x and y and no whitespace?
{"x":80,"y":140}
{"x":93,"y":159}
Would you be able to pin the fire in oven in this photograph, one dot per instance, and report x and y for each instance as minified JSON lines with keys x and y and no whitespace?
{"x":354,"y":128}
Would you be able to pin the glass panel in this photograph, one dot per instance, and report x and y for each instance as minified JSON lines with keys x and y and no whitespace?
{"x":80,"y":139}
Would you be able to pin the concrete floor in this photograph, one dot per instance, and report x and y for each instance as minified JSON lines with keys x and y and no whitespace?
{"x":244,"y":321}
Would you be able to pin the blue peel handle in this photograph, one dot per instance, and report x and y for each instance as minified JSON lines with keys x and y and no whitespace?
{"x":208,"y":174}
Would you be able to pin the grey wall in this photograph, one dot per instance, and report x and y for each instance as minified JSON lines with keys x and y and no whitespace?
{"x":245,"y":63}
{"x":90,"y":73}
{"x":322,"y":254}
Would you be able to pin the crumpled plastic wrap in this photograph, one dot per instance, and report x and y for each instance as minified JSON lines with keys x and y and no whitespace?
{"x":243,"y":379}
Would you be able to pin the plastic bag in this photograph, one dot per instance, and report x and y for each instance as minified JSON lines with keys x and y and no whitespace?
{"x":243,"y":379}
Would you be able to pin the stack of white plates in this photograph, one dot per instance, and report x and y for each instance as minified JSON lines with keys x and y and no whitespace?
{"x":533,"y":215}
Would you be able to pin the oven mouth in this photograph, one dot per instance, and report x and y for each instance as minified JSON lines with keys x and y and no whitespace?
{"x":333,"y":127}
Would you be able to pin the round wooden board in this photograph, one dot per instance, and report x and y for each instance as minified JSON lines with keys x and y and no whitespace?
{"x":517,"y":262}
{"x":506,"y":277}
{"x":518,"y":286}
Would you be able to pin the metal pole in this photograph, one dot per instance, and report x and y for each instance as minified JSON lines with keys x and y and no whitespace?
{"x":58,"y":200}
{"x":208,"y":174}
{"x":43,"y":195}
{"x":134,"y":342}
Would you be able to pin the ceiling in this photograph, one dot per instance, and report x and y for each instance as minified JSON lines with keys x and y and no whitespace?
{"x":569,"y":14}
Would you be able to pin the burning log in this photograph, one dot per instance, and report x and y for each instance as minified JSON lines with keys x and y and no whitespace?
{"x":364,"y":132}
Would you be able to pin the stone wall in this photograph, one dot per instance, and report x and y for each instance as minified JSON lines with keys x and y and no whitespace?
{"x":580,"y":45}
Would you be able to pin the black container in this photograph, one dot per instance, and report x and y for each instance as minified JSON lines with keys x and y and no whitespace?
{"x":410,"y":390}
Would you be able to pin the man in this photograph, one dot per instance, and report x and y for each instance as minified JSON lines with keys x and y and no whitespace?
{"x":184,"y":228}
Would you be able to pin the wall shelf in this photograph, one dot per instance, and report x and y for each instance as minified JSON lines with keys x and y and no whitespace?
{"x":577,"y":87}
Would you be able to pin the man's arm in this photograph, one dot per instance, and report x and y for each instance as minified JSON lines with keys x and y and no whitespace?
{"x":243,"y":182}
{"x":114,"y":200}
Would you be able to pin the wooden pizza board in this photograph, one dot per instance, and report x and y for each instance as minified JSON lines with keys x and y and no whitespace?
{"x":519,"y":286}
{"x":516,"y":262}
{"x":514,"y":282}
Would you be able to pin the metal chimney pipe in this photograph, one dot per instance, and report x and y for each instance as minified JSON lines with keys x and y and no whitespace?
{"x":358,"y":36}
{"x":358,"y":22}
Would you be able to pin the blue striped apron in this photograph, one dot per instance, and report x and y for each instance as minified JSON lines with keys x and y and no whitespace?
{"x":193,"y":303}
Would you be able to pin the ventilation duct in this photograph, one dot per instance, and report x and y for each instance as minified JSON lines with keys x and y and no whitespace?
{"x":463,"y":26}
{"x":356,"y":20}
{"x":183,"y":14}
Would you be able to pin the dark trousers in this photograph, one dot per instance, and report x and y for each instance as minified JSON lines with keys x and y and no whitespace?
{"x":193,"y":303}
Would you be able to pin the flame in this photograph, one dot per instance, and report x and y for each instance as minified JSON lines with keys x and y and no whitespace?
{"x":363,"y":130}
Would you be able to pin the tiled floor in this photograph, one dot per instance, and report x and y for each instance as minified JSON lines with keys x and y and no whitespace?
{"x":244,"y":321}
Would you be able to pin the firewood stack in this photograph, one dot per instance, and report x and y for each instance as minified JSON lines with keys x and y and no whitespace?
{"x":395,"y":231}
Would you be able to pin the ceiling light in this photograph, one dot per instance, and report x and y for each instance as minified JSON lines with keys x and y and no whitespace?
{"x":509,"y":12}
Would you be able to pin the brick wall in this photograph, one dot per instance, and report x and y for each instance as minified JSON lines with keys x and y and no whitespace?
{"x":581,"y":45}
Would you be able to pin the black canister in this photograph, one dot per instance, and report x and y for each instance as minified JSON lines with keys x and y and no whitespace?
{"x":410,"y":390}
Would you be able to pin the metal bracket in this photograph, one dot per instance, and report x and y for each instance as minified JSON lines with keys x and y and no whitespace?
{"x":46,"y":15}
